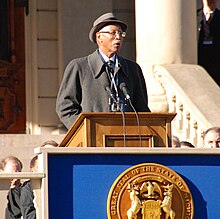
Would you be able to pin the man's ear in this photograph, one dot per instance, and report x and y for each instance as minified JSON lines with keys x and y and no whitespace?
{"x":98,"y":37}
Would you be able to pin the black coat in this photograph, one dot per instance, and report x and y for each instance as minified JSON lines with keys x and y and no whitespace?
{"x":13,"y":209}
{"x":209,"y":55}
{"x":84,"y":83}
{"x":27,"y":201}
{"x":20,"y":202}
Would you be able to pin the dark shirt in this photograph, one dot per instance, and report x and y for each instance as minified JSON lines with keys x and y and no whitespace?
{"x":209,"y":46}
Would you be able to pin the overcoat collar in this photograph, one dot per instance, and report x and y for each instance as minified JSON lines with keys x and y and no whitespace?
{"x":97,"y":66}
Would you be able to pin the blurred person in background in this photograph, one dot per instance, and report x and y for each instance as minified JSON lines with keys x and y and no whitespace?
{"x":209,"y":38}
{"x":27,"y":197}
{"x":175,"y":142}
{"x":12,"y":164}
{"x":212,"y":137}
{"x":186,"y":144}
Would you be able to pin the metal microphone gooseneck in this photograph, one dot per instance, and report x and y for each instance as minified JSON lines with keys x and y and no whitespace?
{"x":111,"y":95}
{"x":127,"y":97}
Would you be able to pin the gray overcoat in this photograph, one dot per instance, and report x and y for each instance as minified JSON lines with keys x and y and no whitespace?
{"x":83,"y":87}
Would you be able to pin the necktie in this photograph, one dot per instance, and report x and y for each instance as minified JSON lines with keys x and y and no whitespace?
{"x":111,"y":74}
{"x":112,"y":78}
{"x":110,"y":66}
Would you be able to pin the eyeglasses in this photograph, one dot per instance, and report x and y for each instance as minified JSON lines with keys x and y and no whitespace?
{"x":114,"y":32}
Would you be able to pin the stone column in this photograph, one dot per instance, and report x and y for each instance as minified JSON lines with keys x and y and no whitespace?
{"x":166,"y":32}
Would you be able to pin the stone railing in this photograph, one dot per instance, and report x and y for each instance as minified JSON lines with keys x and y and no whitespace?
{"x":194,"y":96}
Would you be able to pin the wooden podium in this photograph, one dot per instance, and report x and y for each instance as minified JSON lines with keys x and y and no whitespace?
{"x":103,"y":129}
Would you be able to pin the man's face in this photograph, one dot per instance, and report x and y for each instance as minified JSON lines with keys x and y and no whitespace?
{"x":12,"y":167}
{"x":210,"y":3}
{"x":35,"y":167}
{"x":109,"y":39}
{"x":212,"y":140}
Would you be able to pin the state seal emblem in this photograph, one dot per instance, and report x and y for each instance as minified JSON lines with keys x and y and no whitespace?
{"x":149,"y":191}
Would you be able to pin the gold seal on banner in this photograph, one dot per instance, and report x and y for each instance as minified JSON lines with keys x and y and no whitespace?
{"x":149,"y":191}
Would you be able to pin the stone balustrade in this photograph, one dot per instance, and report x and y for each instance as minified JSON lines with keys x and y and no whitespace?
{"x":193,"y":95}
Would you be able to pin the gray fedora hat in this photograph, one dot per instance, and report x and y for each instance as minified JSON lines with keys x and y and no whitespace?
{"x":104,"y":20}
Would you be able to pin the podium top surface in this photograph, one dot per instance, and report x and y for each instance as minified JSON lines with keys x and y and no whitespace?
{"x":114,"y":115}
{"x":141,"y":115}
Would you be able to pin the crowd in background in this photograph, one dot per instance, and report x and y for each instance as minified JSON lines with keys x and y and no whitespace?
{"x":211,"y":139}
{"x":20,"y":198}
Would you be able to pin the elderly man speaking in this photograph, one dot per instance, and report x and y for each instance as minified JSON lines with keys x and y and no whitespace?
{"x":103,"y":81}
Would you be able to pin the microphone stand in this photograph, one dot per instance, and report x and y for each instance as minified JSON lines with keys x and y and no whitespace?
{"x":127,"y":97}
{"x":116,"y":102}
{"x":119,"y":108}
{"x":138,"y":121}
{"x":124,"y":126}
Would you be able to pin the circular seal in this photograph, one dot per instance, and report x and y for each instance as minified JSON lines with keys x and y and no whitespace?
{"x":149,"y":190}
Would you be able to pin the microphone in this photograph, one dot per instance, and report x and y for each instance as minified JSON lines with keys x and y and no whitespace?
{"x":123,"y":88}
{"x":113,"y":102}
{"x":107,"y":88}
